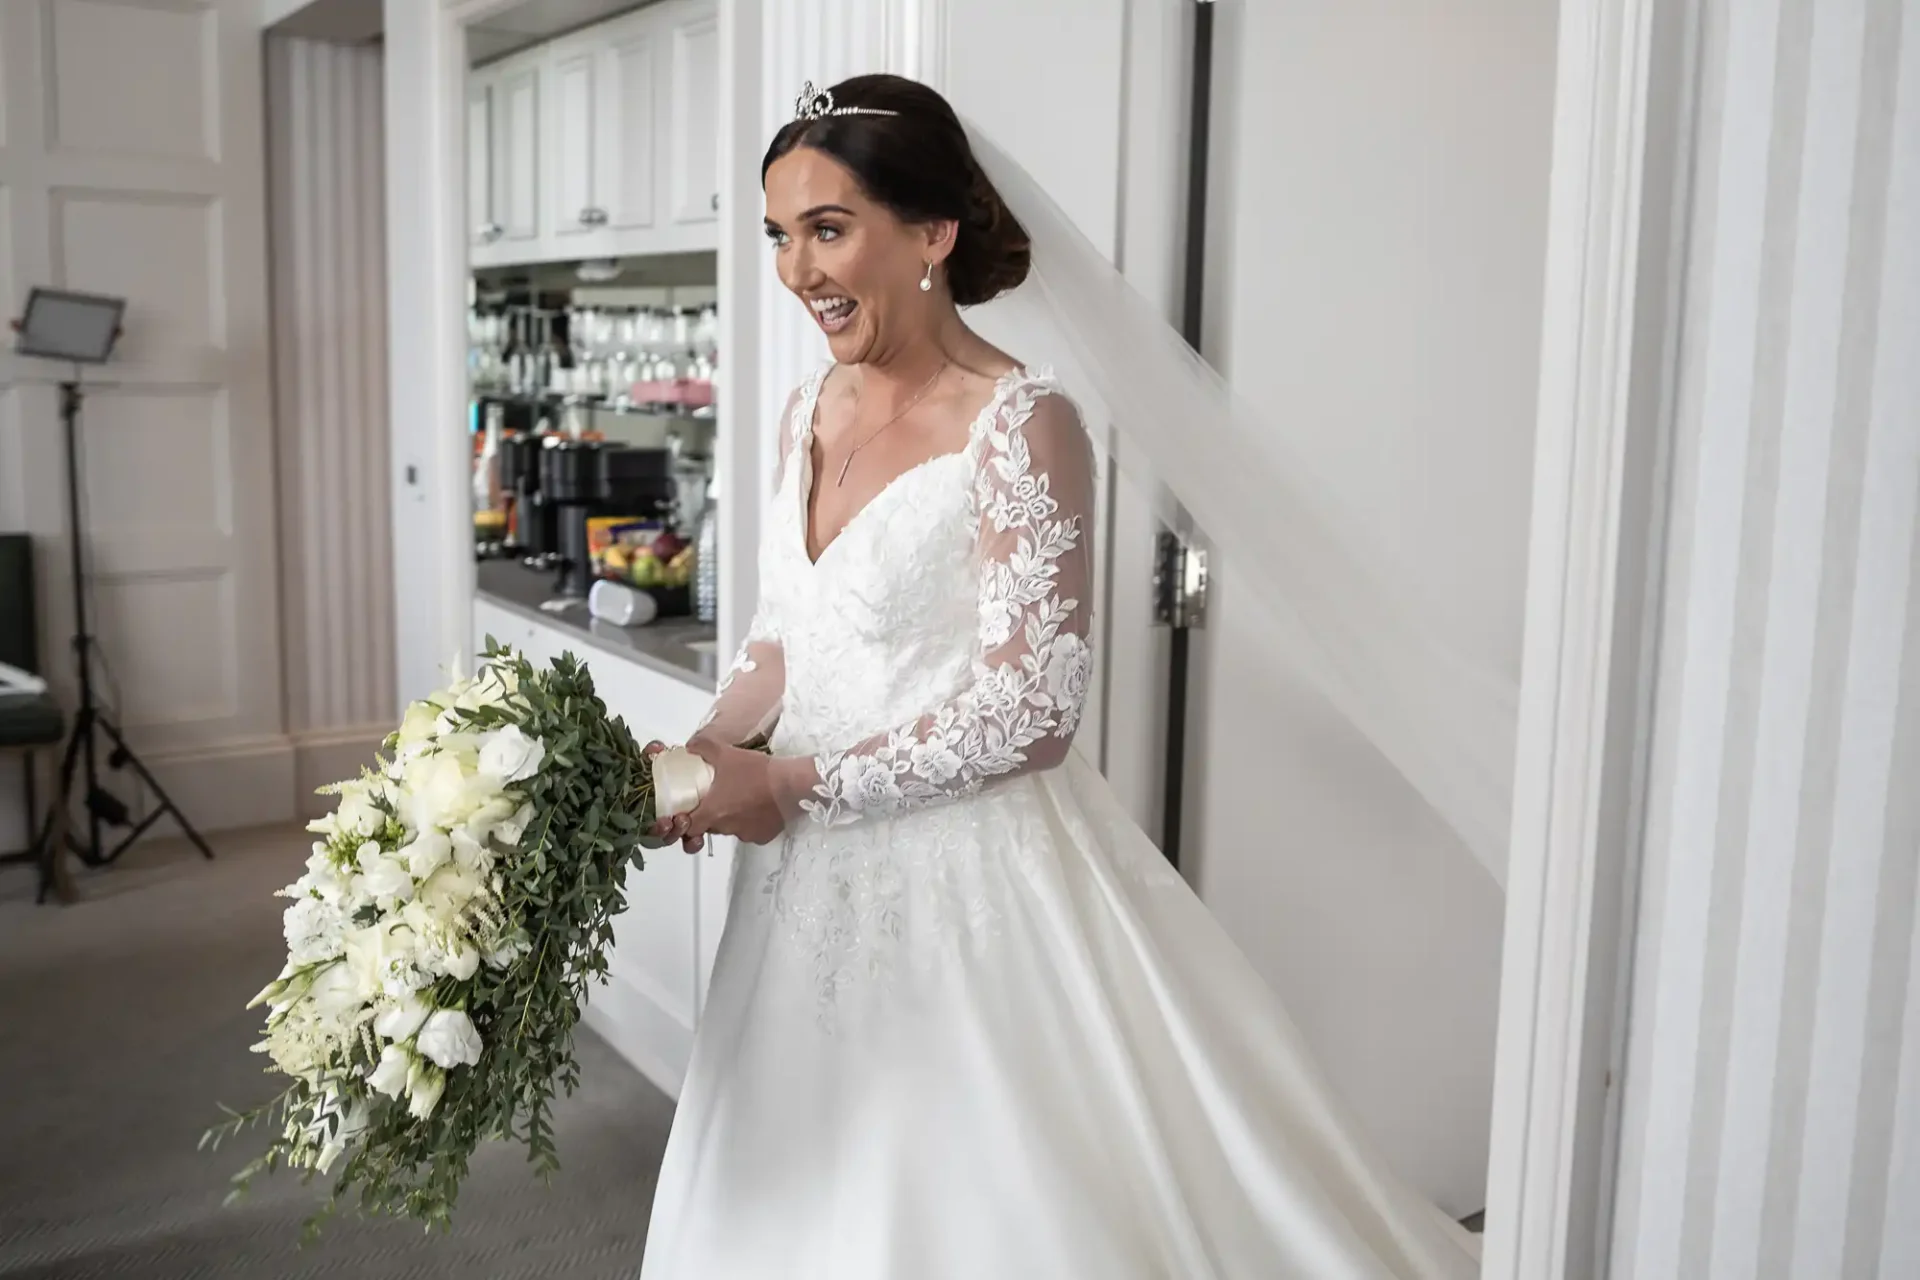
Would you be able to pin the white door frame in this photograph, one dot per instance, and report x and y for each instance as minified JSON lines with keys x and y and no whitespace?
{"x":1621,"y":143}
{"x":1623,"y":97}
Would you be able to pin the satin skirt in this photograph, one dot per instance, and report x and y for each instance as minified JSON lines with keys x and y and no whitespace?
{"x":1001,"y":1039}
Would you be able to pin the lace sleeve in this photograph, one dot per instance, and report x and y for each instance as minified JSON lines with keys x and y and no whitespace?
{"x":1035,"y":491}
{"x":747,"y":702}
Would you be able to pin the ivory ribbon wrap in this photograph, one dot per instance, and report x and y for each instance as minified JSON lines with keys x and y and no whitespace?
{"x":680,"y":782}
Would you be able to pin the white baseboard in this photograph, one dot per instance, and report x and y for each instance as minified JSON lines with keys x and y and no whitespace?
{"x":641,"y":1030}
{"x":256,"y":781}
{"x":248,"y":783}
{"x":324,"y":756}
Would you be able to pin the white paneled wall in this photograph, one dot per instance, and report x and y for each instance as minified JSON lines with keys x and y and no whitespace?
{"x":130,"y":164}
{"x":326,"y":167}
{"x":1772,"y":1109}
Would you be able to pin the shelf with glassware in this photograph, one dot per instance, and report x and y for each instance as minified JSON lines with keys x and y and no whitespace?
{"x":593,"y":425}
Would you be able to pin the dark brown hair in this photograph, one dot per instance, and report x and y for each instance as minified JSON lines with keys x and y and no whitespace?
{"x":918,"y":164}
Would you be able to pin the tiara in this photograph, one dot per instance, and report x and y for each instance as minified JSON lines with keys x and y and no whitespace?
{"x":817,"y":104}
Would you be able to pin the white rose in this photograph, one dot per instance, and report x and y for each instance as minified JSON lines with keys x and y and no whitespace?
{"x":449,"y":1039}
{"x":680,"y":782}
{"x":436,"y":793}
{"x":401,"y":1021}
{"x":427,"y":852}
{"x":510,"y":755}
{"x":380,"y":956}
{"x":383,"y":877}
{"x":416,"y":727}
{"x":463,"y":961}
{"x":424,"y":1087}
{"x":389,"y":1075}
{"x":333,"y":992}
{"x":447,"y":894}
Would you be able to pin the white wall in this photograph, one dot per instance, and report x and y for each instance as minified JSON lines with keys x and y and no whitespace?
{"x":1374,"y":279}
{"x":425,"y":101}
{"x":1772,"y":1110}
{"x":155,"y":191}
{"x":328,"y":214}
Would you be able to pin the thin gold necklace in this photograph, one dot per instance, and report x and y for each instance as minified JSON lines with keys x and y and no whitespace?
{"x":918,"y":396}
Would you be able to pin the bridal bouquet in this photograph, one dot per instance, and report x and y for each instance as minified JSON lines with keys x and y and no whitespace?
{"x":456,"y":907}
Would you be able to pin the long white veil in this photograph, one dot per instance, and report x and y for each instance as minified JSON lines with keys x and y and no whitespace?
{"x":1339,"y":615}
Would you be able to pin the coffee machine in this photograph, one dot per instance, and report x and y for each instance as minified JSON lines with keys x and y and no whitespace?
{"x":580,"y":479}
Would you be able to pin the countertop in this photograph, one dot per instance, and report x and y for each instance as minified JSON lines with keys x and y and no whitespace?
{"x":676,"y":647}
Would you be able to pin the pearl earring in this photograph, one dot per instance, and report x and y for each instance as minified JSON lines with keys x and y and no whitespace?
{"x":926,"y":281}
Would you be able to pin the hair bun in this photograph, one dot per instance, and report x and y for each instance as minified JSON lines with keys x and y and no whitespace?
{"x":993,"y":254}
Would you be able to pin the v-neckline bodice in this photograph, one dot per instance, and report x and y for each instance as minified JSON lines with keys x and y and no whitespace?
{"x":808,"y":413}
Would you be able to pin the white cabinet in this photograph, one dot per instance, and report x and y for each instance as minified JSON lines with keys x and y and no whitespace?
{"x":629,"y":107}
{"x":516,"y":155}
{"x":573,"y":207}
{"x":605,"y":86}
{"x":480,"y":223}
{"x":603,"y":143}
{"x":693,"y":132}
{"x":503,"y":160}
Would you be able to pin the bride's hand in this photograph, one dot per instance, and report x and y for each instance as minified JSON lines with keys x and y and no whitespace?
{"x":742,"y":802}
{"x":679,"y":825}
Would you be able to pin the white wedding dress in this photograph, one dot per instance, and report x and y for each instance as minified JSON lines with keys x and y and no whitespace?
{"x":965,"y":1022}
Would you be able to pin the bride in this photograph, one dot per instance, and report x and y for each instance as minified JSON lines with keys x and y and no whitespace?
{"x":964,"y":1020}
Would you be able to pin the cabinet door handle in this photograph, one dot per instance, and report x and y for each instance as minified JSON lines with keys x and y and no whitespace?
{"x":491,"y":231}
{"x":716,"y":202}
{"x":593,"y":217}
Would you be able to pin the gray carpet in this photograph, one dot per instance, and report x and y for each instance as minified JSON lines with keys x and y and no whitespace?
{"x":121,"y":1028}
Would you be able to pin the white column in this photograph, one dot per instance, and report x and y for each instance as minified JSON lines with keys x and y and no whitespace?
{"x":1772,"y":1106}
{"x":328,"y":250}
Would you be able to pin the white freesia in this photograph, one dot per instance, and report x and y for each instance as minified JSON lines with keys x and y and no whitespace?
{"x":510,"y":755}
{"x":352,"y":1125}
{"x":512,"y":829}
{"x":680,"y":781}
{"x":403,"y":1020}
{"x":449,"y":1039}
{"x":358,"y":814}
{"x":323,"y":877}
{"x":389,"y":1075}
{"x":425,"y":1084}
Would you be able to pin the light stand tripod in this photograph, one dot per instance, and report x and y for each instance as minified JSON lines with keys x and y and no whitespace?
{"x":102,"y":805}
